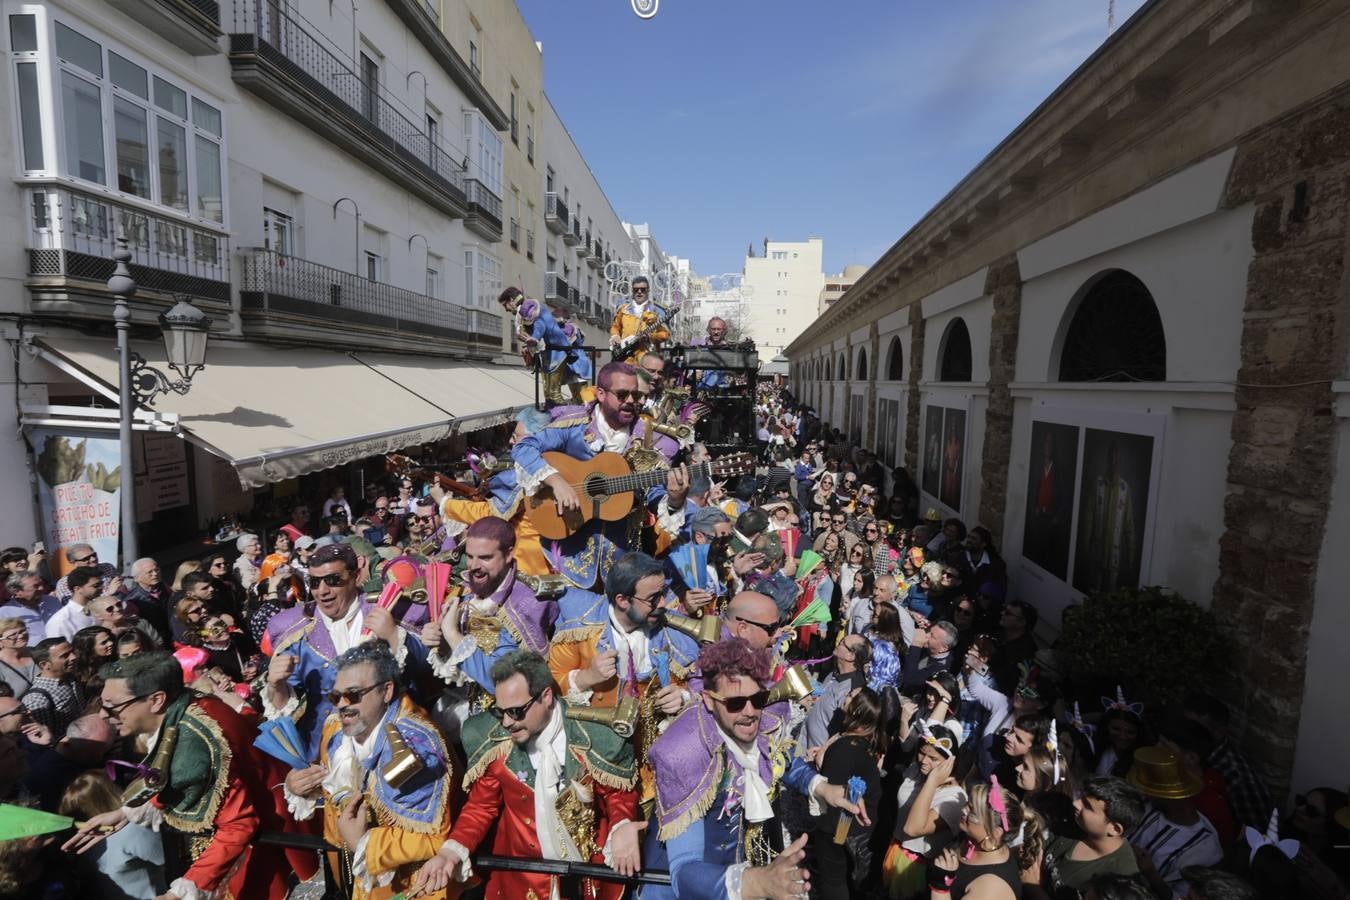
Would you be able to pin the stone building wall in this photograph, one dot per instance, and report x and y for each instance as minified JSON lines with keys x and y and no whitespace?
{"x":1003,"y":283}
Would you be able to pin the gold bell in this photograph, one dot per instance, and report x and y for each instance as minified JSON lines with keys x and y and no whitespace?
{"x":622,"y":718}
{"x":403,"y":763}
{"x":705,"y":630}
{"x":794,"y":685}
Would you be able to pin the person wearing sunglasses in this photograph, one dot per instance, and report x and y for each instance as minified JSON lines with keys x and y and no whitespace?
{"x":721,"y":747}
{"x":218,"y":783}
{"x":638,"y":323}
{"x":307,"y":639}
{"x":354,"y":754}
{"x":527,"y":758}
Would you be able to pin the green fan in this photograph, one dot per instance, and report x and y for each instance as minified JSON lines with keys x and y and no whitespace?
{"x":22,"y":822}
{"x":807,"y":563}
{"x":817,"y":612}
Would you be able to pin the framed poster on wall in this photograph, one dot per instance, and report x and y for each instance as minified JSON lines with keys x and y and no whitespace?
{"x":932,"y":449}
{"x":1112,"y":508}
{"x":1052,"y":475}
{"x":944,"y":454}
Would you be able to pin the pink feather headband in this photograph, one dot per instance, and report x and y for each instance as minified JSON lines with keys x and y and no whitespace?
{"x":997,"y":803}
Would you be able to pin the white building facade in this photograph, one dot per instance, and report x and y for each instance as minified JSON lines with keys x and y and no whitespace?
{"x":785,"y":285}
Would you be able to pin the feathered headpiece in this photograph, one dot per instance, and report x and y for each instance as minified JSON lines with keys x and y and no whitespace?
{"x":1120,"y":704}
{"x":1083,"y":728}
{"x":530,"y":310}
{"x":1256,"y":840}
{"x":997,"y":803}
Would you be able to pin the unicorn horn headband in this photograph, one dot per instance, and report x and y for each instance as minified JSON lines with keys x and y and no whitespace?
{"x":1256,"y":840}
{"x":1120,"y":703}
{"x":997,"y":803}
{"x":1052,"y":744}
{"x":1082,"y":727}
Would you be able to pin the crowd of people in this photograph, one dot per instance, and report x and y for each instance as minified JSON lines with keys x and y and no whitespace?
{"x":781,"y":679}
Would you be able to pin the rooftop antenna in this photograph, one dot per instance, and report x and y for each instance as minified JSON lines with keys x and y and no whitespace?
{"x":1110,"y":16}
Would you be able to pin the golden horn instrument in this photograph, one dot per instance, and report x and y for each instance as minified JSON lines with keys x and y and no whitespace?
{"x":146,"y":786}
{"x":403,"y":763}
{"x":794,"y":685}
{"x":622,"y":718}
{"x":545,"y":586}
{"x":705,"y":630}
{"x":681,"y":432}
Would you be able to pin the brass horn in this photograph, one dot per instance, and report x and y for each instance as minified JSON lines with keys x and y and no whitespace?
{"x":794,"y":685}
{"x":705,"y":630}
{"x":403,"y":763}
{"x":545,"y":586}
{"x":682,"y":433}
{"x":143,"y":788}
{"x":622,"y":718}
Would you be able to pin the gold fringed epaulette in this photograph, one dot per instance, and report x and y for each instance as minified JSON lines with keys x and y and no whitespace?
{"x":484,"y":741}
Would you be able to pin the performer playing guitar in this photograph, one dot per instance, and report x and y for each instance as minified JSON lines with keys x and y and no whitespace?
{"x":637,"y":324}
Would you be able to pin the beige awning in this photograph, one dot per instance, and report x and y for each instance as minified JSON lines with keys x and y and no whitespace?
{"x":275,"y":413}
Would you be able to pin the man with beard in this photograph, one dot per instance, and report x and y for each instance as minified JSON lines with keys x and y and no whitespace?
{"x":716,"y":784}
{"x":553,"y":787}
{"x":490,"y":615}
{"x":426,"y":535}
{"x":610,"y":424}
{"x":218,"y":791}
{"x":306,"y":640}
{"x":411,"y":813}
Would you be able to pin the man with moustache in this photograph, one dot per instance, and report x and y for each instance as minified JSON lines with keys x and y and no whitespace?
{"x":610,"y":424}
{"x":640,"y":314}
{"x":389,"y":828}
{"x":308,"y":639}
{"x":716,"y":783}
{"x":218,"y":792}
{"x":492,"y":614}
{"x":553,"y":787}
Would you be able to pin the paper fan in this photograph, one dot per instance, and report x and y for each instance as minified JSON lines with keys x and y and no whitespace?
{"x":280,"y":739}
{"x":437,"y":578}
{"x":691,"y":561}
{"x":21,"y":822}
{"x":817,"y":612}
{"x":810,"y":559}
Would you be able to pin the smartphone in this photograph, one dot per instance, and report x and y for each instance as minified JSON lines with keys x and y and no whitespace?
{"x":39,"y":547}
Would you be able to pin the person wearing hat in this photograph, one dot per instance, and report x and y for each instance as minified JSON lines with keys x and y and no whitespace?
{"x":304,"y":549}
{"x":1173,"y":834}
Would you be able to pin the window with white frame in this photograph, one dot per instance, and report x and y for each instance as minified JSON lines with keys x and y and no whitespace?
{"x":482,"y":278}
{"x":278,"y":232}
{"x":435,"y":278}
{"x":114,"y":119}
{"x":485,"y":151}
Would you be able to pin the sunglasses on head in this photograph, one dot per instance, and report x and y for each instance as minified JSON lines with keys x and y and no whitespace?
{"x":758,"y":700}
{"x":352,"y":696}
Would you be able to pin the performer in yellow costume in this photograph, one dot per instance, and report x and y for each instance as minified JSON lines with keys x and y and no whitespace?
{"x":638,"y":324}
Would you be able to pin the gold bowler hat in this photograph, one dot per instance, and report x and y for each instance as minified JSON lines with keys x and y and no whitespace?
{"x":1157,"y":772}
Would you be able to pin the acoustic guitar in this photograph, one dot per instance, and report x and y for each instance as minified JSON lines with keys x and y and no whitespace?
{"x":608,"y":487}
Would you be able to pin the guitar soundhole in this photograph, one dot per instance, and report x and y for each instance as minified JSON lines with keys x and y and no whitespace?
{"x":595,"y":486}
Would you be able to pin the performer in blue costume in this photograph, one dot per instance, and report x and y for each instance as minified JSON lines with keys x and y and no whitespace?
{"x":718,"y":768}
{"x":544,"y":337}
{"x":307,"y":641}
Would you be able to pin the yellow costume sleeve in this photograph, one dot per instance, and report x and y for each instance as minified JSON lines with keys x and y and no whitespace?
{"x":389,"y":848}
{"x":616,"y":327}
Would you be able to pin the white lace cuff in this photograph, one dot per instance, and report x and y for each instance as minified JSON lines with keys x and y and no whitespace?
{"x":530,"y":484}
{"x":186,"y":890}
{"x":575,"y":695}
{"x":369,"y":880}
{"x":146,"y":815}
{"x":463,"y":865}
{"x":453,"y":527}
{"x":732,"y":880}
{"x":813,"y":805}
{"x":400,"y":647}
{"x":670,"y":522}
{"x":274,"y":712}
{"x":606,"y":851}
{"x":301,"y":808}
{"x":448,"y":669}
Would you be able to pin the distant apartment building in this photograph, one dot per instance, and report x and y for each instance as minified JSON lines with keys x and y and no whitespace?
{"x":785,"y":285}
{"x":837,"y":285}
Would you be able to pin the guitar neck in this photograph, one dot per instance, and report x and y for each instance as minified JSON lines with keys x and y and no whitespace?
{"x":643,"y":481}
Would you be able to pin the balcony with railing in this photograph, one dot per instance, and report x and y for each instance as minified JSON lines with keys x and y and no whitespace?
{"x":555,"y":214}
{"x":574,"y":297}
{"x":278,"y":55}
{"x":485,"y":211}
{"x":595,"y":260}
{"x":72,"y":236}
{"x":294,"y":298}
{"x":191,"y":25}
{"x":555,"y":288}
{"x":572,"y":236}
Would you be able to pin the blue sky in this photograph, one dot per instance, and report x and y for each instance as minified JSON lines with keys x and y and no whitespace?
{"x":722,"y":122}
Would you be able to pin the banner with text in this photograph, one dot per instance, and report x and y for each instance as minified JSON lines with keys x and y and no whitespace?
{"x":80,"y":489}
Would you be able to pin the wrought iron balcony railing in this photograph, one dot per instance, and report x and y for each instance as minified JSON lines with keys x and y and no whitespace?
{"x":486,"y":206}
{"x":273,"y":282}
{"x":73,"y":234}
{"x":555,"y":287}
{"x":555,"y":213}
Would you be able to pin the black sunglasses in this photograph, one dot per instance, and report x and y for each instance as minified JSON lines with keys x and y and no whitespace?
{"x":115,"y":709}
{"x":639,"y":290}
{"x":332,"y":579}
{"x":768,"y":629}
{"x":517,"y":713}
{"x":352,"y":696}
{"x":84,"y":559}
{"x":736,"y":704}
{"x":625,"y":396}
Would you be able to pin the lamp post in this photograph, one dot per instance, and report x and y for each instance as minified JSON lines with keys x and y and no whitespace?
{"x":185,"y":330}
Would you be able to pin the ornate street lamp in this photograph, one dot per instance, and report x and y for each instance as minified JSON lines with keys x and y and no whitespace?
{"x":186,"y":329}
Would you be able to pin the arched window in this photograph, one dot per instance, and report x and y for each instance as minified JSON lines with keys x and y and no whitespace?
{"x":862,"y":365}
{"x":954,"y":353}
{"x":895,"y":361}
{"x":1115,"y":334}
{"x":840,"y":373}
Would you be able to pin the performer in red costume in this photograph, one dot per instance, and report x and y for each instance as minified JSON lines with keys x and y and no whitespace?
{"x":205,"y":781}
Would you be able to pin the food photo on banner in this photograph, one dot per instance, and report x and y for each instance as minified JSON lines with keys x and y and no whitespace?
{"x":80,"y":492}
{"x":1052,"y":468}
{"x":932,"y":450}
{"x":1112,"y":509}
{"x":953,"y":457}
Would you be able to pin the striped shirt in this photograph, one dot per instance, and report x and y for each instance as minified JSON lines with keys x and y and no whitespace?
{"x":1172,"y":846}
